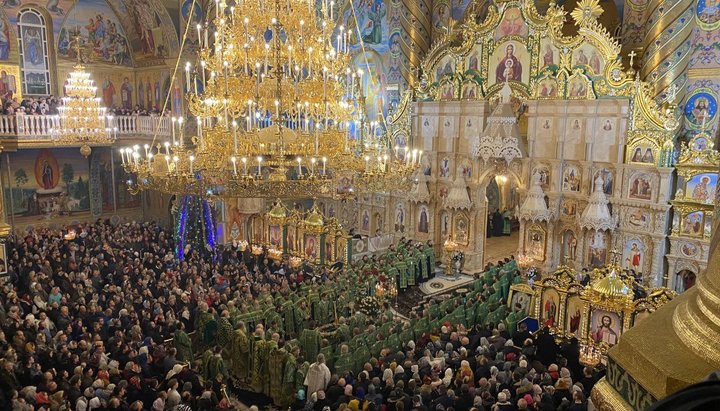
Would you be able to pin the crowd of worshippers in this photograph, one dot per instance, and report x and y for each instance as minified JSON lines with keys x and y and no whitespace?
{"x":84,"y":323}
{"x":456,"y":355}
{"x":84,"y":320}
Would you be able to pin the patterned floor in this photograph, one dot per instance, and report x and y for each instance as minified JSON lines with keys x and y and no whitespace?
{"x":497,"y":248}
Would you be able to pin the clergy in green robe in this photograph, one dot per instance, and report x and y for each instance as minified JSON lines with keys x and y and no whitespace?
{"x":216,"y":367}
{"x":182,"y":344}
{"x":310,"y":342}
{"x":288,"y":380}
{"x":240,"y":353}
{"x":206,"y":325}
{"x":260,"y":373}
{"x":344,"y":362}
{"x":276,"y":373}
{"x":411,"y":266}
{"x":225,"y":330}
{"x":401,"y":267}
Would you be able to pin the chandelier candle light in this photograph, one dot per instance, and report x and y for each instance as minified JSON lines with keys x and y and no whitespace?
{"x":82,"y":119}
{"x":274,"y":89}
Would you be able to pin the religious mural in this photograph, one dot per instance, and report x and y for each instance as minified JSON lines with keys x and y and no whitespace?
{"x":102,"y":38}
{"x":605,"y":327}
{"x":607,"y":180}
{"x":701,"y":187}
{"x":9,"y":82}
{"x":57,"y":10}
{"x":569,"y":246}
{"x":640,"y":187}
{"x":634,"y":255}
{"x":700,"y":108}
{"x":373,"y":83}
{"x":549,"y":308}
{"x":4,"y":39}
{"x":597,"y":249}
{"x":369,"y":19}
{"x":155,"y":36}
{"x":512,"y":24}
{"x":118,"y":182}
{"x":574,"y":311}
{"x":47,"y":183}
{"x":423,"y":219}
{"x":708,"y":14}
{"x":510,"y":62}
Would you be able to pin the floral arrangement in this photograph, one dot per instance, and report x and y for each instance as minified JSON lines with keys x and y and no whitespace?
{"x":457,"y":255}
{"x":369,"y":306}
{"x":295,"y":262}
{"x":242,"y":245}
{"x":275,"y":254}
{"x":256,"y":250}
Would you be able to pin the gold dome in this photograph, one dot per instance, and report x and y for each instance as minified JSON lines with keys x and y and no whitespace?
{"x":278,"y":211}
{"x":314,"y":218}
{"x":611,"y":286}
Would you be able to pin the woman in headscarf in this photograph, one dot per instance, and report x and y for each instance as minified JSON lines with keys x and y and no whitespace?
{"x":447,"y":379}
{"x":465,"y":375}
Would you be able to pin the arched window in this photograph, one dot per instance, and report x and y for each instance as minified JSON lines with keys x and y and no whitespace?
{"x":34,"y":61}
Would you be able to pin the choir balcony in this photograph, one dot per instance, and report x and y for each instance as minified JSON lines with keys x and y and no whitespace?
{"x":35,"y":130}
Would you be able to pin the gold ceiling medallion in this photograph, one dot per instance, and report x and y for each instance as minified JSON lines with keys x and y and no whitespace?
{"x":586,"y":13}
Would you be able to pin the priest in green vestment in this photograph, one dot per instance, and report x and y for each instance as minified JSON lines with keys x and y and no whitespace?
{"x":240,"y":353}
{"x":183,"y":344}
{"x":276,"y":372}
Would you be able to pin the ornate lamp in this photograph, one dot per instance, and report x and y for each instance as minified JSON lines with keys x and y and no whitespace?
{"x":82,"y":118}
{"x":278,"y":112}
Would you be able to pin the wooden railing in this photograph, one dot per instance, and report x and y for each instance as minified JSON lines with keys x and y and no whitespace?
{"x":38,"y":127}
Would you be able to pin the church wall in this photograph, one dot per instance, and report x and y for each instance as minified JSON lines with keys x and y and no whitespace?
{"x":119,"y":38}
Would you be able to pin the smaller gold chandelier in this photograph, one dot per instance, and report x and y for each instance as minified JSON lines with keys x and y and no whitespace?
{"x":82,"y":119}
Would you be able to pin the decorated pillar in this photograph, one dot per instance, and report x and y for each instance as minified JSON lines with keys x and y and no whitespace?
{"x":667,"y":47}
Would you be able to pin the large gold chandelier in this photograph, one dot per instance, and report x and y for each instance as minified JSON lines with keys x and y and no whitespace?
{"x":274,"y":103}
{"x":82,"y":118}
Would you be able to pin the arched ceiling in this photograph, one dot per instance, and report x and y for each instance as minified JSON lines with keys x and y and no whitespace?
{"x":136,"y":33}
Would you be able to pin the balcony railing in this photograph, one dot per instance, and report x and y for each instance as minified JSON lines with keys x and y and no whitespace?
{"x":38,"y":127}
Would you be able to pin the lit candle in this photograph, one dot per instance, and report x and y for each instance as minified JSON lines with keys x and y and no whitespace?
{"x":202,"y":68}
{"x":173,"y":129}
{"x":302,"y":27}
{"x":199,"y":128}
{"x":187,"y":76}
{"x":396,"y":152}
{"x":312,"y":166}
{"x":367,"y":163}
{"x":198,"y":27}
{"x":332,"y":4}
{"x":259,"y":161}
{"x":235,"y":126}
{"x":244,"y":161}
{"x":167,"y":162}
{"x":267,"y":51}
{"x":167,"y":148}
{"x":192,"y":159}
{"x":299,"y":160}
{"x":419,"y":156}
{"x":225,"y":75}
{"x":234,"y":163}
{"x":182,"y":130}
{"x":324,"y":163}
